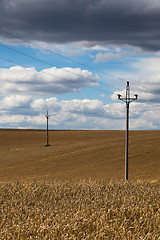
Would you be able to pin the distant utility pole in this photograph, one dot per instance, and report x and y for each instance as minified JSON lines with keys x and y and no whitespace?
{"x":127,"y":100}
{"x":47,"y":116}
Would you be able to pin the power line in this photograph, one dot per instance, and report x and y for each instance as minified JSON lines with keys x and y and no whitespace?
{"x":63,"y":69}
{"x":151,"y":110}
{"x":102,"y":112}
{"x":98,"y":114}
{"x":145,"y":101}
{"x":101,"y":90}
{"x":72,"y":60}
{"x":53,"y":52}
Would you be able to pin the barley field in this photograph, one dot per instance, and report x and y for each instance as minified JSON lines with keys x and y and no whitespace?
{"x":80,"y":210}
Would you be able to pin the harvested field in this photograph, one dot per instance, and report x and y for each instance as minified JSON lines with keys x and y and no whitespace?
{"x":80,"y":210}
{"x":73,"y":189}
{"x":78,"y":155}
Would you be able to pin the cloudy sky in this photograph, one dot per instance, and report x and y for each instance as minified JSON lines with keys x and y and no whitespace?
{"x":72,"y":58}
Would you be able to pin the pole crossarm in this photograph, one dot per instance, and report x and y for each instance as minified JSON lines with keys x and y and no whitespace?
{"x":127,"y":100}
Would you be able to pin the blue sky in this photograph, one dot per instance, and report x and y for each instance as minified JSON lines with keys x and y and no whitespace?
{"x":73,"y":60}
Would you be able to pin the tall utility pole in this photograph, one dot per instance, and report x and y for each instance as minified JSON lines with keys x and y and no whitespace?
{"x":47,"y":116}
{"x":127,"y":100}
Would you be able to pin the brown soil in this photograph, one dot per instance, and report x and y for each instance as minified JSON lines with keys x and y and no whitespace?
{"x":78,"y":155}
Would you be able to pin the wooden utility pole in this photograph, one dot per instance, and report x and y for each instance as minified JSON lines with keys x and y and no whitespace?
{"x":47,"y":116}
{"x":127,"y":100}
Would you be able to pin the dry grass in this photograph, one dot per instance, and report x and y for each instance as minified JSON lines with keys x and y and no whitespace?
{"x":80,"y":210}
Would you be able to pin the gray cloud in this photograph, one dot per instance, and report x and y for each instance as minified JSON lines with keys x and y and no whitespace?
{"x":120,"y":21}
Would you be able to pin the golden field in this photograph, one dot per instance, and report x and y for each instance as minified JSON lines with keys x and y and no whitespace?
{"x":80,"y":210}
{"x":74,"y":189}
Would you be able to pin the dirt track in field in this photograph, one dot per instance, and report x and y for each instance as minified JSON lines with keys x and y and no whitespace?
{"x":78,"y":155}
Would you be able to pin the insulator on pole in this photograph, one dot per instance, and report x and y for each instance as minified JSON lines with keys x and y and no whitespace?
{"x":127,"y":100}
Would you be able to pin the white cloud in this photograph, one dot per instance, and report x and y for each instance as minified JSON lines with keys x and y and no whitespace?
{"x":148,"y":65}
{"x":21,"y":110}
{"x":147,"y":119}
{"x":65,"y":49}
{"x":78,"y":114}
{"x":147,"y":88}
{"x":13,"y":101}
{"x":105,"y":57}
{"x":85,"y":106}
{"x":46,"y":82}
{"x":115,"y":110}
{"x":116,"y":53}
{"x":150,"y":89}
{"x":10,"y":120}
{"x":46,"y":104}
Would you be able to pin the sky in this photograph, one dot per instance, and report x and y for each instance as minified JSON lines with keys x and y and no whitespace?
{"x":72,"y":58}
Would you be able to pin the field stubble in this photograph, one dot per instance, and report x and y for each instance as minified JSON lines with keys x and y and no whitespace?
{"x":78,"y":155}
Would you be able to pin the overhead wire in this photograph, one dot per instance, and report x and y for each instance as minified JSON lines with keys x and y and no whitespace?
{"x":72,"y":60}
{"x":152,"y":110}
{"x":63,"y":69}
{"x":47,"y":63}
{"x":88,"y":114}
{"x":99,"y":114}
{"x":101,"y":90}
{"x":5,"y":59}
{"x":67,"y":58}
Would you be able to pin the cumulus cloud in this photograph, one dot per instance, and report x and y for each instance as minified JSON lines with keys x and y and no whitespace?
{"x":120,"y":21}
{"x":46,"y":82}
{"x":148,"y":65}
{"x":87,"y":110}
{"x":148,"y":118}
{"x":75,"y":106}
{"x":150,"y":89}
{"x":116,"y":53}
{"x":15,"y":101}
{"x":105,"y":57}
{"x":75,"y":114}
{"x":147,"y":88}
